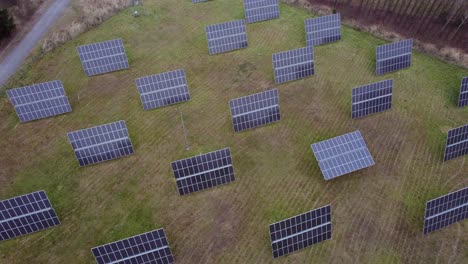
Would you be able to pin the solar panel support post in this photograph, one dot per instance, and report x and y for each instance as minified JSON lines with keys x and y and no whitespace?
{"x":187,"y":145}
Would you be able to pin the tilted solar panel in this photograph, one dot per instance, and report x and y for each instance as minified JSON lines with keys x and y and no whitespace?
{"x":372,"y":98}
{"x":394,"y":56}
{"x":227,"y":36}
{"x":260,"y":10}
{"x":463,"y":98}
{"x":293,"y":64}
{"x":323,"y":30}
{"x":457,"y":143}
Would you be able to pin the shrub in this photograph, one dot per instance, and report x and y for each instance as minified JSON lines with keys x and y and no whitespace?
{"x":7,"y":25}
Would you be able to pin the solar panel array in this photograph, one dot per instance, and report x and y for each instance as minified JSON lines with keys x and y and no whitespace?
{"x":101,"y":143}
{"x":394,"y":56}
{"x":226,"y":37}
{"x":103,"y":57}
{"x":301,"y":231}
{"x":255,"y":110}
{"x":372,"y":98}
{"x":446,"y":210}
{"x":323,"y":30}
{"x":260,"y":10}
{"x":163,"y":89}
{"x":463,"y":99}
{"x":342,"y":155}
{"x":457,"y":143}
{"x":203,"y":171}
{"x":26,"y":214}
{"x":293,"y":64}
{"x":150,"y":247}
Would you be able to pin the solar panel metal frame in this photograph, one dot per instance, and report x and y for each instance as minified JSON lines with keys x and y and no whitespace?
{"x":445,"y":210}
{"x":323,"y":30}
{"x":301,"y":231}
{"x":463,"y":98}
{"x":39,"y":101}
{"x":227,"y":36}
{"x":26,"y":214}
{"x":394,"y":56}
{"x":293,"y":65}
{"x":372,"y":98}
{"x":457,"y":143}
{"x":260,"y":10}
{"x":101,"y":143}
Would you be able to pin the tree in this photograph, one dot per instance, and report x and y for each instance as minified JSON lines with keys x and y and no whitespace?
{"x":7,"y":25}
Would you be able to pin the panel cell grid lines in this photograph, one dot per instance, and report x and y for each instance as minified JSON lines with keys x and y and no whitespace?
{"x":446,"y":210}
{"x":101,"y":143}
{"x":39,"y":101}
{"x":204,"y":171}
{"x":457,"y":143}
{"x":372,"y":98}
{"x":103,"y":57}
{"x":255,"y":110}
{"x":323,"y":30}
{"x":342,"y":155}
{"x":301,"y":231}
{"x":293,"y":64}
{"x":150,"y":247}
{"x":463,"y":99}
{"x":26,"y":214}
{"x":260,"y":10}
{"x":394,"y":56}
{"x":226,"y":37}
{"x":163,"y":89}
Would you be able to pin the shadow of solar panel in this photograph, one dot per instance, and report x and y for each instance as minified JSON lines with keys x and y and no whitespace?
{"x":394,"y":56}
{"x":150,"y":247}
{"x":323,"y":30}
{"x":457,"y":143}
{"x":293,"y":64}
{"x":226,"y":37}
{"x":463,"y":99}
{"x":446,"y":210}
{"x":101,"y":143}
{"x":26,"y":214}
{"x":301,"y":231}
{"x":39,"y":101}
{"x":260,"y":10}
{"x":372,"y":98}
{"x":204,"y":171}
{"x":103,"y":57}
{"x":163,"y":89}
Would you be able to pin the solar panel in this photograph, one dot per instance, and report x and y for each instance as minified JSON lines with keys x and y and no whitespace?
{"x":255,"y":110}
{"x":227,"y":36}
{"x":323,"y":30}
{"x":150,"y":247}
{"x":372,"y":98}
{"x":260,"y":10}
{"x":457,"y":143}
{"x":39,"y":101}
{"x":342,"y":155}
{"x":163,"y":89}
{"x":26,"y":214}
{"x":101,"y":143}
{"x":293,"y":64}
{"x":463,"y":99}
{"x":394,"y":56}
{"x":446,"y":210}
{"x":203,"y":171}
{"x":103,"y":57}
{"x":199,"y":1}
{"x":301,"y":231}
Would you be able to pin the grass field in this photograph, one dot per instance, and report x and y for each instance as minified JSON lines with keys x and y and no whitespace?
{"x":377,"y":213}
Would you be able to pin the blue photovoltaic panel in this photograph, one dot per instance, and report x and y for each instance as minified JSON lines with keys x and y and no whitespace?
{"x":463,"y":99}
{"x":199,"y":1}
{"x":301,"y":231}
{"x":446,"y":210}
{"x":39,"y":101}
{"x":150,"y":248}
{"x":163,"y":89}
{"x":372,"y":98}
{"x":323,"y":30}
{"x":342,"y":155}
{"x":26,"y":214}
{"x":226,"y":36}
{"x":255,"y":110}
{"x":457,"y":143}
{"x":394,"y":56}
{"x":101,"y":143}
{"x":293,"y":64}
{"x":103,"y":57}
{"x":260,"y":10}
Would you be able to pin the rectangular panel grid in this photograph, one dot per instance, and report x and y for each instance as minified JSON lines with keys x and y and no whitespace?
{"x":103,"y":57}
{"x":394,"y":56}
{"x":323,"y":30}
{"x":260,"y":10}
{"x":255,"y":110}
{"x":150,"y":247}
{"x":372,"y":98}
{"x":26,"y":214}
{"x":39,"y":101}
{"x":463,"y":99}
{"x":342,"y":155}
{"x":301,"y":231}
{"x":204,"y":171}
{"x":293,"y":64}
{"x":226,"y":37}
{"x":163,"y":89}
{"x":457,"y":143}
{"x":446,"y":210}
{"x":101,"y":143}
